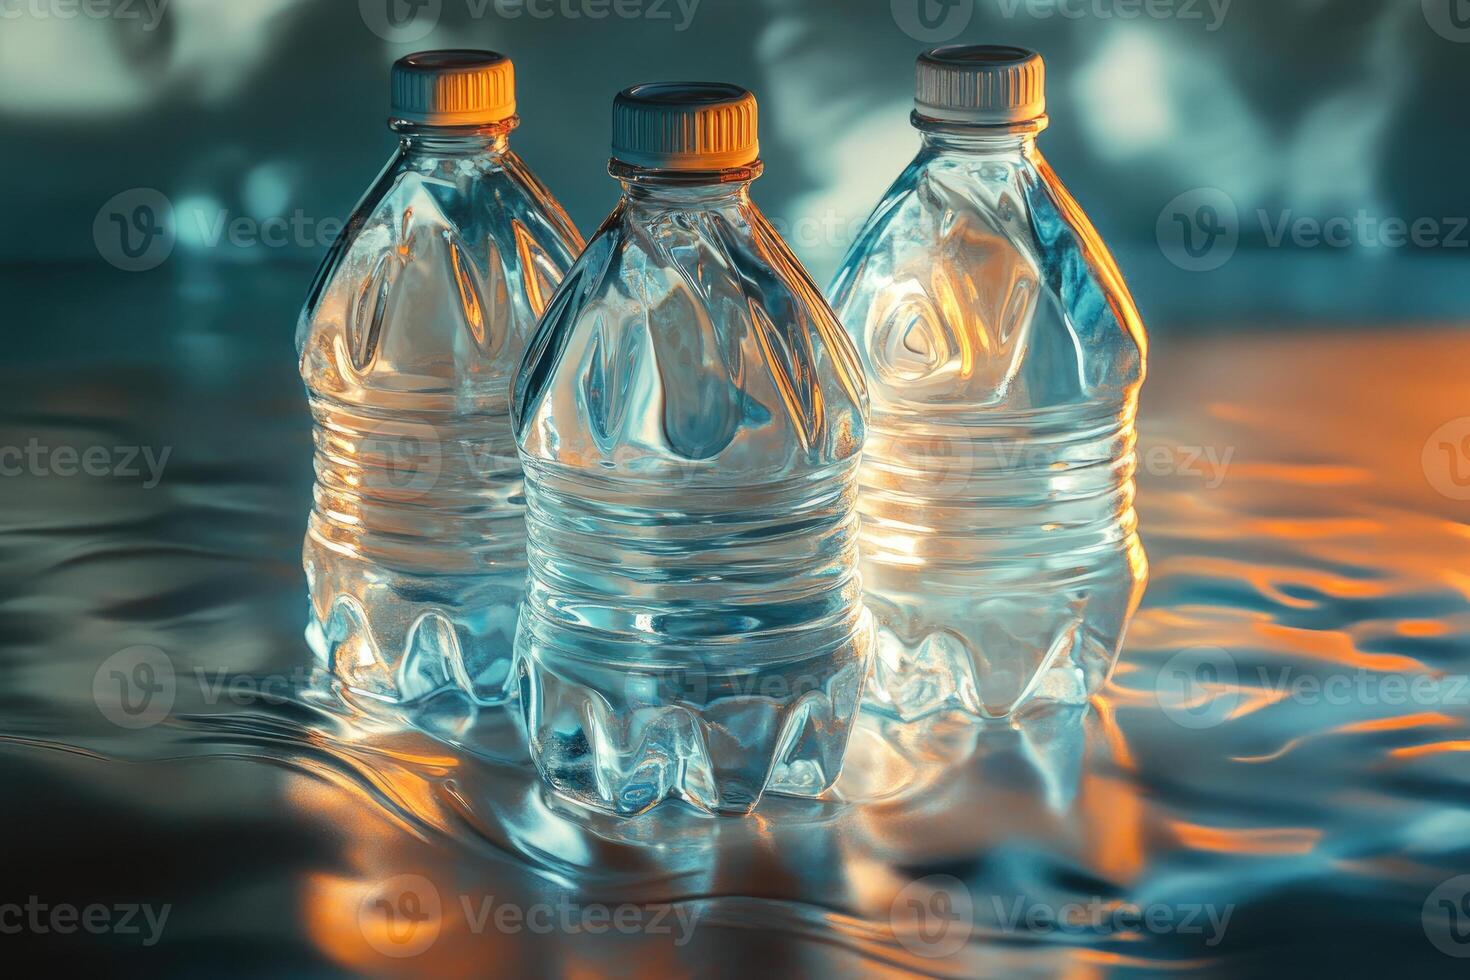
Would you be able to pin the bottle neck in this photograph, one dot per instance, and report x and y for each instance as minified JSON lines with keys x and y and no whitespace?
{"x":979,"y":142}
{"x":685,"y":188}
{"x":418,"y":139}
{"x":1017,"y":139}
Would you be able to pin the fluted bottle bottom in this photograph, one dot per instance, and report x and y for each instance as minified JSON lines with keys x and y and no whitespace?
{"x":702,"y":723}
{"x":986,"y":642}
{"x":401,"y":637}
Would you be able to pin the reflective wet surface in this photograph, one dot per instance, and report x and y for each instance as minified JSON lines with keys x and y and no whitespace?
{"x":1275,"y":780}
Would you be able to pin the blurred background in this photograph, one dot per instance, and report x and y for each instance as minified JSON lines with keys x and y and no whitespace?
{"x":1275,"y":163}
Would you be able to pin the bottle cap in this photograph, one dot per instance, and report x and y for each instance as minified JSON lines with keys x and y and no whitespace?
{"x":454,"y":88}
{"x":980,"y":84}
{"x":685,"y":126}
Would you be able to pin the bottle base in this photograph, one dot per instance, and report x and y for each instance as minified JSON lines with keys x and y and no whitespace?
{"x":989,"y":657}
{"x":400,"y":638}
{"x":623,"y":739}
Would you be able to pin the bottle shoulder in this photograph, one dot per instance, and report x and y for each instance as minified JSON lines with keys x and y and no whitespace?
{"x":690,"y":334}
{"x":978,"y":282}
{"x":431,"y":292}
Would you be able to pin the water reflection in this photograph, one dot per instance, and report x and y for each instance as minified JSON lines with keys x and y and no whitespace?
{"x":1282,"y":747}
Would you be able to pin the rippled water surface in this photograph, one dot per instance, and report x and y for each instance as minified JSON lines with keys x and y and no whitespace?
{"x":1276,"y":779}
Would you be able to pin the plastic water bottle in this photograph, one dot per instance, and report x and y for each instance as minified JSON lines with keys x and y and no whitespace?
{"x":690,"y":420}
{"x":1004,"y":358}
{"x":409,"y":341}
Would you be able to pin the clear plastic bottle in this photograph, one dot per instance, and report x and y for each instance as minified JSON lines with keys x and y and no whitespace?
{"x":409,"y":341}
{"x":690,"y":419}
{"x":1004,"y":357}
